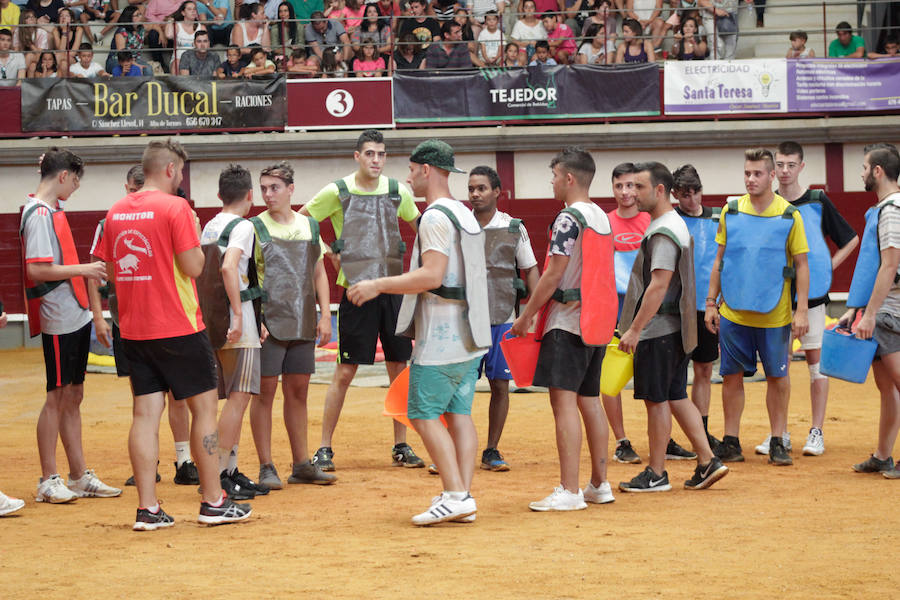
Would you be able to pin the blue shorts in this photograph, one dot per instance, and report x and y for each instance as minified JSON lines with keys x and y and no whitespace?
{"x":493,"y":364}
{"x":438,"y":389}
{"x":740,"y":345}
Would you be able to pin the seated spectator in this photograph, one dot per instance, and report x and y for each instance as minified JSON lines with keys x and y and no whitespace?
{"x":647,"y":13}
{"x":528,"y":30}
{"x":443,"y":10}
{"x":891,"y":47}
{"x":367,"y":62}
{"x":720,"y":22}
{"x":46,"y":11}
{"x":593,"y":51}
{"x":560,"y":38}
{"x":232,"y":68}
{"x":46,"y":66}
{"x":302,"y":64}
{"x":409,"y":54}
{"x":199,"y":62}
{"x":29,"y":38}
{"x":600,"y":12}
{"x":130,"y":36}
{"x":156,"y":14}
{"x":391,"y":10}
{"x":285,"y":31}
{"x":511,"y":57}
{"x":682,"y":9}
{"x":96,"y":10}
{"x":452,"y":52}
{"x":348,"y":12}
{"x":541,"y":6}
{"x":66,"y":37}
{"x":480,"y":9}
{"x":126,"y":66}
{"x":633,"y":48}
{"x":252,"y":30}
{"x":542,"y":55}
{"x":688,"y":44}
{"x":375,"y":27}
{"x":86,"y":67}
{"x":798,"y":46}
{"x":426,"y":29}
{"x":220,"y":12}
{"x":847,"y":45}
{"x":10,"y":16}
{"x":259,"y":64}
{"x":327,"y":34}
{"x":331,"y":66}
{"x":183,"y":27}
{"x":489,"y":41}
{"x":12,"y":65}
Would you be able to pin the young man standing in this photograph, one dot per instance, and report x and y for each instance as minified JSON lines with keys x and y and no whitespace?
{"x":446,"y":309}
{"x":507,"y":249}
{"x":152,"y":252}
{"x":875,"y":289}
{"x":659,"y":319}
{"x":57,"y":304}
{"x":762,"y":248}
{"x":567,"y":364}
{"x":364,"y":208}
{"x":820,"y":219}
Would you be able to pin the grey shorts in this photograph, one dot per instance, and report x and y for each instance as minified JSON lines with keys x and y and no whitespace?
{"x":887,"y":334}
{"x":238,"y":370}
{"x":287,"y":358}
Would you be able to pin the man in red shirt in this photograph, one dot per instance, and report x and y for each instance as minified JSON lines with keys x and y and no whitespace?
{"x":151,"y":246}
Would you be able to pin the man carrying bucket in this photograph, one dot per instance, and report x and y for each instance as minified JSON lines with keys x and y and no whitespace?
{"x":659,"y":317}
{"x":446,"y":309}
{"x":875,"y":287}
{"x":577,"y":300}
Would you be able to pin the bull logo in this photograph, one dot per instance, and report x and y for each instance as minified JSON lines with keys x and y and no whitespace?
{"x":128,"y":264}
{"x":129,"y":243}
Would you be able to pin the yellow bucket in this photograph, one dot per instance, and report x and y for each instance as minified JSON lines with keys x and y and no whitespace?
{"x":616,"y":370}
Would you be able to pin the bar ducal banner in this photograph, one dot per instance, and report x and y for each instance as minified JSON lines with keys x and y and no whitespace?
{"x":144,"y":103}
{"x":558,"y":92}
{"x":725,"y":86}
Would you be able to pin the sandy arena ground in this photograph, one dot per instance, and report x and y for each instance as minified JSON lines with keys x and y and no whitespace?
{"x":814,"y":530}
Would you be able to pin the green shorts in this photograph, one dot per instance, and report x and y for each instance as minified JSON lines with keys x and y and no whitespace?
{"x":438,"y":389}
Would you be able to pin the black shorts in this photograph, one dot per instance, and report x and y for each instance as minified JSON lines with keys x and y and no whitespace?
{"x":565,"y":363}
{"x":119,"y":352}
{"x":65,"y":357}
{"x":660,"y":369}
{"x":185,"y":364}
{"x":707,"y":349}
{"x":359,"y":328}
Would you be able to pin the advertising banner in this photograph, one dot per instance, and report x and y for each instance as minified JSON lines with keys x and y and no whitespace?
{"x":558,"y":92}
{"x":126,"y":104}
{"x":725,"y":86}
{"x":823,"y":84}
{"x":340,"y":103}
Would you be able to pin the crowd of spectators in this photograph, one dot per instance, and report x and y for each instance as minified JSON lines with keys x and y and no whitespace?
{"x":334,"y":38}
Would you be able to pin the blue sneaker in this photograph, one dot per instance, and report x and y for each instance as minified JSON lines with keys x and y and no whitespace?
{"x":492,"y":460}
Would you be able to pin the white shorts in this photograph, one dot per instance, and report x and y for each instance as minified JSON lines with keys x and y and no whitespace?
{"x":813,"y":338}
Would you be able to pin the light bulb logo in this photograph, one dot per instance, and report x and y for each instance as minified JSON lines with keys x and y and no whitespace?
{"x":765,"y":80}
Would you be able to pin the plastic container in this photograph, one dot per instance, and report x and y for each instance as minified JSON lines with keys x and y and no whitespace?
{"x":616,"y":370}
{"x":396,"y":402}
{"x":845,"y":356}
{"x":521,"y":355}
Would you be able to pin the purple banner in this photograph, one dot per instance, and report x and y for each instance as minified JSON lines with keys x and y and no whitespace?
{"x":824,"y":85}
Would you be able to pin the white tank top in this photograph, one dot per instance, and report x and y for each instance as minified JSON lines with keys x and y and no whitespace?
{"x":184,"y":40}
{"x":247,"y":40}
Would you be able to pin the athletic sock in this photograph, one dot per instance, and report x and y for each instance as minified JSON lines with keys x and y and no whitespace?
{"x":457,"y":495}
{"x":706,"y":424}
{"x":624,"y":439}
{"x":232,"y":459}
{"x":218,"y":502}
{"x":182,"y":453}
{"x":154,"y":509}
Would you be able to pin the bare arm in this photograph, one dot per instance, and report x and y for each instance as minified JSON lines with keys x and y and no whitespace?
{"x":841,"y":255}
{"x":232,"y":279}
{"x":100,"y":325}
{"x":653,"y":297}
{"x":532,"y":277}
{"x":711,"y":318}
{"x":858,"y":53}
{"x":323,"y":327}
{"x":40,"y":272}
{"x":890,"y":259}
{"x":801,"y":319}
{"x":427,"y":277}
{"x":541,"y":293}
{"x":190,"y":262}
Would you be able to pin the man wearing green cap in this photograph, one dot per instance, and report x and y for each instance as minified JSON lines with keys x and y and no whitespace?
{"x":446,"y":310}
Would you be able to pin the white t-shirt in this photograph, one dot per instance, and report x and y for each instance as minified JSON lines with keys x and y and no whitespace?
{"x":92,"y":71}
{"x":10,"y":69}
{"x":442,"y":333}
{"x":524,"y":33}
{"x":524,"y":254}
{"x":644,"y":8}
{"x":591,"y":53}
{"x":241,"y":237}
{"x":491,"y":43}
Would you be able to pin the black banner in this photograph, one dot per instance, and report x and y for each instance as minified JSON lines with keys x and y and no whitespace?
{"x":149,"y":104}
{"x":558,"y":92}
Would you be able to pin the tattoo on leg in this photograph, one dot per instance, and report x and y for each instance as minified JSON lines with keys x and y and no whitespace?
{"x":211,"y":443}
{"x":602,"y":461}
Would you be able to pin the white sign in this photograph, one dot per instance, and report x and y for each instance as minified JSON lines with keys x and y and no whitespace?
{"x":725,"y":86}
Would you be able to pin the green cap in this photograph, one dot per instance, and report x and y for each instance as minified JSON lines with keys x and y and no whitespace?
{"x":436,"y":153}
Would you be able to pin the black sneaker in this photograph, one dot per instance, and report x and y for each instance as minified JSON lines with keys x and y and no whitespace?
{"x":676,"y":452}
{"x":647,"y":481}
{"x":492,"y":460}
{"x":148,"y":521}
{"x":322,"y":458}
{"x":404,"y":456}
{"x":706,"y":475}
{"x":227,"y":512}
{"x":626,"y":454}
{"x":778,"y":454}
{"x":713,"y":442}
{"x":874,"y":464}
{"x":187,"y":473}
{"x":234,"y":490}
{"x":248,"y":484}
{"x":729,"y":451}
{"x":130,"y":480}
{"x":310,"y":473}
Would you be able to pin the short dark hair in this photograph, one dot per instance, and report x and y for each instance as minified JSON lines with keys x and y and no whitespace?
{"x":686,"y":179}
{"x":6,"y":31}
{"x":757,"y":154}
{"x":542,"y":44}
{"x":789,"y":148}
{"x":136,"y":174}
{"x":124,"y":55}
{"x":548,"y":14}
{"x":282,"y":170}
{"x":318,"y":15}
{"x":56,"y":160}
{"x":843,"y":26}
{"x":234,"y":183}
{"x":659,"y":174}
{"x":887,"y":160}
{"x":200,"y":33}
{"x":624,"y":168}
{"x":634,"y":25}
{"x":85,"y":46}
{"x":869,"y":147}
{"x":578,"y":162}
{"x":160,"y":153}
{"x":891,"y":39}
{"x":491,"y":174}
{"x":798,"y":35}
{"x":256,"y":50}
{"x":592,"y":30}
{"x":369,"y":135}
{"x":491,"y":13}
{"x":447,"y":26}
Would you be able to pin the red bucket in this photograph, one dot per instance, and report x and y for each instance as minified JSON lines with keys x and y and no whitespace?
{"x":521,"y":355}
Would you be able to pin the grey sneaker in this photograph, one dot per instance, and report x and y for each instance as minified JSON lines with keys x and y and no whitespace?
{"x":874,"y":465}
{"x":268,"y":477}
{"x":892,"y":474}
{"x":310,"y":473}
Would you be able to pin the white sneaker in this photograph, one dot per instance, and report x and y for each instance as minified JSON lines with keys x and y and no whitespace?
{"x":764,"y":447}
{"x":9,"y":505}
{"x":815,"y":443}
{"x":598,"y":495}
{"x":560,"y":499}
{"x":468,"y":519}
{"x":54,"y":491}
{"x":444,"y":508}
{"x":90,"y":486}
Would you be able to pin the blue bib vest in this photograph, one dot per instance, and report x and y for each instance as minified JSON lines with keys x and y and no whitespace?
{"x":819,"y":256}
{"x":703,"y":230}
{"x":868,"y":261}
{"x":758,"y":246}
{"x":624,"y":262}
